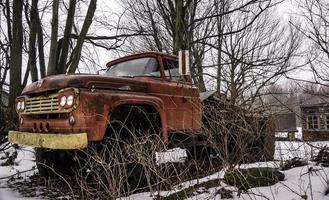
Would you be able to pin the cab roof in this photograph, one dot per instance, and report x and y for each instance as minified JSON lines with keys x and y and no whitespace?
{"x":139,"y":55}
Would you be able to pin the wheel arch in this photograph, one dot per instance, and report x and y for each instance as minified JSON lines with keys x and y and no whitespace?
{"x":156,"y":105}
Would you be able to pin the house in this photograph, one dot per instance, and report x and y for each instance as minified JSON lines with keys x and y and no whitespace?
{"x":314,"y":115}
{"x":315,"y":122}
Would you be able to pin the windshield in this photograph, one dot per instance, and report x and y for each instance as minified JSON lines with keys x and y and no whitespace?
{"x":147,"y":66}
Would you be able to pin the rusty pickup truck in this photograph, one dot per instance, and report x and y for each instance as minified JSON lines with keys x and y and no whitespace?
{"x":70,"y":111}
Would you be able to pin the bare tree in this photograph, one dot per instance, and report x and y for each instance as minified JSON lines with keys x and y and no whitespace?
{"x":76,"y":54}
{"x":53,"y":39}
{"x":255,"y":57}
{"x":64,"y":42}
{"x":32,"y":63}
{"x":193,"y":25}
{"x":5,"y":43}
{"x":16,"y":53}
{"x":315,"y":22}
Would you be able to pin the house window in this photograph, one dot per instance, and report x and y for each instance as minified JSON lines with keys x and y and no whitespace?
{"x":322,"y":122}
{"x":312,"y":122}
{"x":327,"y":121}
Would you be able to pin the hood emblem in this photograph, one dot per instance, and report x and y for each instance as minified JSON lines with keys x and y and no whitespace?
{"x":39,"y":82}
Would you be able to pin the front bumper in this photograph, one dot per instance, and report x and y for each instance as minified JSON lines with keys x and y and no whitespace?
{"x":48,"y":140}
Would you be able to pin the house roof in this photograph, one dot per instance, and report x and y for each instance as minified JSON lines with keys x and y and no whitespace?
{"x":311,"y":100}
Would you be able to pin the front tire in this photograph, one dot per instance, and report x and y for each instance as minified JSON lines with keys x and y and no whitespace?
{"x":53,"y":162}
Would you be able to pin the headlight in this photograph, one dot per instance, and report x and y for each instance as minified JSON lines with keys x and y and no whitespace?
{"x":66,"y":101}
{"x":22,"y":105}
{"x":18,"y":105}
{"x":69,"y":100}
{"x":62,"y":101}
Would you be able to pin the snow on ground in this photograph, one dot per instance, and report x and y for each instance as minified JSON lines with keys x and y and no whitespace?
{"x":172,"y":155}
{"x":309,"y":181}
{"x":298,"y":184}
{"x":24,"y":167}
{"x":288,"y":150}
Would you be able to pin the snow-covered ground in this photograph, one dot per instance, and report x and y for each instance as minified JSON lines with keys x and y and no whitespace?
{"x":307,"y":182}
{"x":23,"y":167}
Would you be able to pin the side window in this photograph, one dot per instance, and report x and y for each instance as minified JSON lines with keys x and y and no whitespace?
{"x":171,"y":69}
{"x":152,"y":66}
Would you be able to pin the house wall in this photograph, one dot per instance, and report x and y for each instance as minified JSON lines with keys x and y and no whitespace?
{"x":315,"y":135}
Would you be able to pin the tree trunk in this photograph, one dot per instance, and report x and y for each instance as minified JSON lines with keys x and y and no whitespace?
{"x":33,"y":34}
{"x":40,"y":48}
{"x":220,"y":8}
{"x":78,"y":48}
{"x":200,"y":80}
{"x":179,"y":27}
{"x":52,"y":61}
{"x":198,"y":70}
{"x":15,"y":87}
{"x":233,"y":85}
{"x":61,"y":66}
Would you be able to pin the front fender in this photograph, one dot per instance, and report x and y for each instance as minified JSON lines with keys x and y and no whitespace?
{"x":155,"y":102}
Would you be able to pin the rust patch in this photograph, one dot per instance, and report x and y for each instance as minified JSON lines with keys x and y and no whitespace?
{"x":75,"y":83}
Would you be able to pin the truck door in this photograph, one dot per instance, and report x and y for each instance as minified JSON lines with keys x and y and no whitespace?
{"x":183,"y":109}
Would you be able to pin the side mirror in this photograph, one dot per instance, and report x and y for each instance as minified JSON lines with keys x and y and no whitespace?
{"x":100,"y":70}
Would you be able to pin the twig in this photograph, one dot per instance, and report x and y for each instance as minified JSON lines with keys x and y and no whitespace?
{"x":20,"y":172}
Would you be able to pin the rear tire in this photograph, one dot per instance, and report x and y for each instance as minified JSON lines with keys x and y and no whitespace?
{"x":203,"y":153}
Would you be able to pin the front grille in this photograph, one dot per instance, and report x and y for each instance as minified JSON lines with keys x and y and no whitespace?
{"x":42,"y":104}
{"x":48,"y":104}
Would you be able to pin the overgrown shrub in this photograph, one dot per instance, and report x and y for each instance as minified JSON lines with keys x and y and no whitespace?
{"x":322,"y":157}
{"x":295,"y":162}
{"x":238,"y":135}
{"x":245,"y":179}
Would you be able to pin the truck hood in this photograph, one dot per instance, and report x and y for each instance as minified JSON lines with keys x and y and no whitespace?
{"x":57,"y":82}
